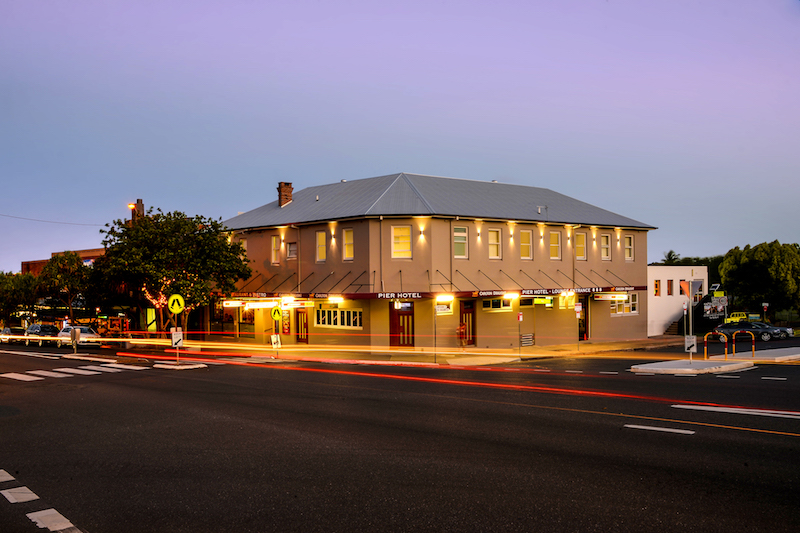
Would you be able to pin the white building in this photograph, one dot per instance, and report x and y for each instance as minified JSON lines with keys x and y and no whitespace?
{"x":666,"y":298}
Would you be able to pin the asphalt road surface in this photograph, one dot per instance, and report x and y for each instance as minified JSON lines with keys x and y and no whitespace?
{"x":552,"y":445}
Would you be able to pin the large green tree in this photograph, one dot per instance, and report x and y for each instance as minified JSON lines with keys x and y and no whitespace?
{"x":65,"y":278}
{"x":18,"y":294}
{"x":161,"y":254}
{"x":766,"y":272}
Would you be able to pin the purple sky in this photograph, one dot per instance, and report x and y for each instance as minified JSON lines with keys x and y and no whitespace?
{"x":683,"y":114}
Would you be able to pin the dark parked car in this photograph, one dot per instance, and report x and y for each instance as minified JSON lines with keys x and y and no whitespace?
{"x":784,"y":332}
{"x":12,"y":331}
{"x":41,"y":331}
{"x":761,"y":331}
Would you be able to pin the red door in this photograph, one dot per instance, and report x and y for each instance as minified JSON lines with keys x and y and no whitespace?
{"x":401,"y":324}
{"x":466,"y":328}
{"x":301,"y":319}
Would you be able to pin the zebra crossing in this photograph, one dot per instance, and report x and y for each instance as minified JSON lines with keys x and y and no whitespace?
{"x":67,"y":372}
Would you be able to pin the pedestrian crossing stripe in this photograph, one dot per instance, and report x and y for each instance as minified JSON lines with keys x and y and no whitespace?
{"x":68,"y":372}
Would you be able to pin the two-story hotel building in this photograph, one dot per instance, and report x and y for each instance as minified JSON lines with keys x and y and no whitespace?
{"x":420,"y":261}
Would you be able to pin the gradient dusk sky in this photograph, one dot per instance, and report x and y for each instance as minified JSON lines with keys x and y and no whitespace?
{"x":682,"y":114}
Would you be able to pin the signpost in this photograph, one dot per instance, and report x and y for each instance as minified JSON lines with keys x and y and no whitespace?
{"x":175,"y":304}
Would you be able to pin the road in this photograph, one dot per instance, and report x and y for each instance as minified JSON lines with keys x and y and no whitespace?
{"x":551,"y":445}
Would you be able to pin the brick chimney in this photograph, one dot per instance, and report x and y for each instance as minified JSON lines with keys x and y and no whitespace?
{"x":284,"y":193}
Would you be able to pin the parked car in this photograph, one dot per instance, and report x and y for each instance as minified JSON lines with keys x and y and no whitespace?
{"x":784,"y":332}
{"x":41,"y":331}
{"x":88,"y":335}
{"x":8,"y":334}
{"x":762,"y":332}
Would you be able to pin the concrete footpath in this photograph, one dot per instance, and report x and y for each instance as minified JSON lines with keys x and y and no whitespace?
{"x":719,"y":363}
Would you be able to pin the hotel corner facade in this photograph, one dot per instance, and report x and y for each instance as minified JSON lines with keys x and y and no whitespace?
{"x":420,"y":261}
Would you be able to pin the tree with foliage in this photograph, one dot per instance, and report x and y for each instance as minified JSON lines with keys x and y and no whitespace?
{"x":170,"y":253}
{"x":65,"y":278}
{"x":766,"y":272}
{"x":671,"y":258}
{"x":18,"y":294}
{"x":713,"y":263}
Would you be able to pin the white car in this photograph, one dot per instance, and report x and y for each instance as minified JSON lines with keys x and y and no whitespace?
{"x":88,"y":335}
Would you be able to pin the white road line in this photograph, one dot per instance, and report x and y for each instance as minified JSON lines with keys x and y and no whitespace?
{"x":50,"y":519}
{"x":729,"y":377}
{"x":541,"y":370}
{"x":101,"y":368}
{"x":645,"y":374}
{"x":48,"y":374}
{"x":5,"y":476}
{"x":741,"y":411}
{"x":77,"y":371}
{"x":610,"y":373}
{"x":686,"y":375}
{"x":19,"y":495}
{"x":665,"y":430}
{"x":125,"y":367}
{"x":32,"y":354}
{"x":574,"y":371}
{"x":20,"y":377}
{"x":773,"y":378}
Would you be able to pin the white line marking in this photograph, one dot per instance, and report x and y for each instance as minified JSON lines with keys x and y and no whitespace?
{"x":5,"y":476}
{"x":48,"y":374}
{"x":741,"y":411}
{"x":32,"y":354}
{"x":644,"y":374}
{"x":50,"y":519}
{"x":19,"y":495}
{"x":665,"y":430}
{"x":610,"y":373}
{"x":541,"y":370}
{"x":729,"y":377}
{"x":101,"y":368}
{"x":77,"y":371}
{"x":20,"y":377}
{"x":686,"y":375}
{"x":773,"y":378}
{"x":125,"y":367}
{"x":574,"y":371}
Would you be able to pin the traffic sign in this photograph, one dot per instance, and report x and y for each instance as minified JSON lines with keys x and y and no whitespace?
{"x":177,"y":337}
{"x":690,"y":343}
{"x":276,"y":313}
{"x":175,"y":304}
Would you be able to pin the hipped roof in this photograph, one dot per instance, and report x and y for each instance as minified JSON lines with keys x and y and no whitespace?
{"x":398,"y":195}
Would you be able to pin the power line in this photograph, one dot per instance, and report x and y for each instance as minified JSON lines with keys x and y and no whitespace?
{"x":51,"y":221}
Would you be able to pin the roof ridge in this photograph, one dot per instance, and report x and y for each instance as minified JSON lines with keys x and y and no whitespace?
{"x":416,"y":191}
{"x":378,"y":199}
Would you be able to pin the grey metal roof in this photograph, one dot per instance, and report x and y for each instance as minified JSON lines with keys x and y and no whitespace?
{"x":418,"y":195}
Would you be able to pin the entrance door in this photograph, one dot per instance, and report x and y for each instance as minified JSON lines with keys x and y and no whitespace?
{"x":467,"y":323}
{"x":583,"y":319}
{"x":301,"y":319}
{"x":401,"y":324}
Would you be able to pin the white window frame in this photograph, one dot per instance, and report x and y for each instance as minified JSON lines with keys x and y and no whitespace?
{"x":523,"y":245}
{"x":457,"y":236}
{"x":583,"y":237}
{"x":322,"y":246}
{"x":291,"y":250}
{"x":605,"y":246}
{"x":626,"y":307}
{"x":557,"y":244}
{"x":497,"y":305}
{"x":336,"y":318}
{"x":348,"y":246}
{"x":628,"y":239}
{"x":495,"y":244}
{"x":400,"y":252}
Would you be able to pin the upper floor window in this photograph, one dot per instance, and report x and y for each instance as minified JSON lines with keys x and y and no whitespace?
{"x":526,"y":244}
{"x":401,"y":242}
{"x":348,"y":248}
{"x":628,"y":247}
{"x":580,"y":246}
{"x":495,"y":249}
{"x":460,"y":242}
{"x":291,"y":250}
{"x":657,"y":287}
{"x":605,"y":247}
{"x":669,"y":287}
{"x":275,"y":256}
{"x":555,"y":245}
{"x":322,"y":246}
